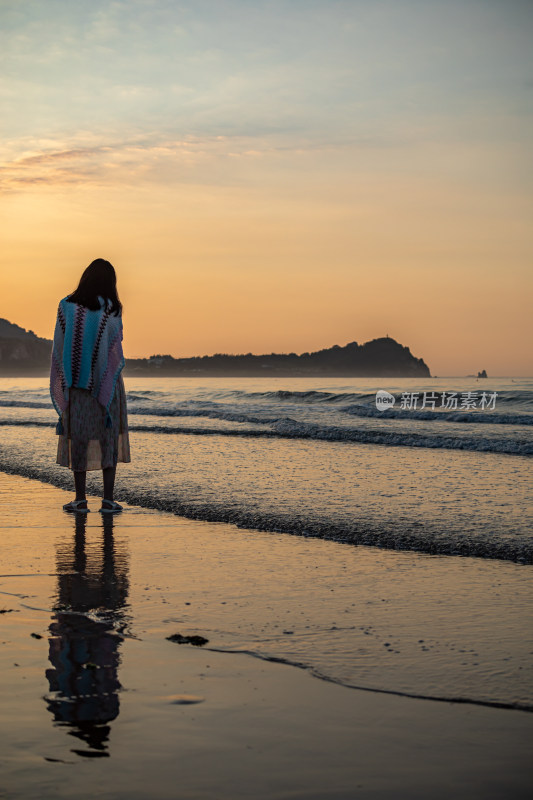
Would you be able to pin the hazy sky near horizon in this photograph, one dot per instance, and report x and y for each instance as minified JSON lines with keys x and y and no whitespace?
{"x":281,"y":175}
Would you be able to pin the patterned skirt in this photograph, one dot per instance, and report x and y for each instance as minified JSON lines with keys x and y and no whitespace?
{"x":86,"y":443}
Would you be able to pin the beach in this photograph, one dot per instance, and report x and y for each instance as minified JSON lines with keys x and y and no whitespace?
{"x":103,"y":703}
{"x":303,"y":598}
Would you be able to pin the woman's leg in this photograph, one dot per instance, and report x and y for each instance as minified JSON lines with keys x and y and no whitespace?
{"x":109,"y":482}
{"x":79,"y":483}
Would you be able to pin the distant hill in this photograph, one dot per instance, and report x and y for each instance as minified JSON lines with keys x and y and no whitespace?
{"x":382,"y":357}
{"x":8,"y":330}
{"x":21,"y":351}
{"x":24,"y":353}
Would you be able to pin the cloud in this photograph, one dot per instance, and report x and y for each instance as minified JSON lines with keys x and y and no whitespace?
{"x":197,"y":91}
{"x":50,"y":167}
{"x":148,"y":159}
{"x":88,"y":160}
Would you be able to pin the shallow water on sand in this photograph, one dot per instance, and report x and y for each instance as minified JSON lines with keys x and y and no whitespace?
{"x":418,"y":499}
{"x":97,"y":700}
{"x":429,"y":626}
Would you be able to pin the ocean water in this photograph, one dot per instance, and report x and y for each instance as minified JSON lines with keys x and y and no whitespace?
{"x":446,"y":470}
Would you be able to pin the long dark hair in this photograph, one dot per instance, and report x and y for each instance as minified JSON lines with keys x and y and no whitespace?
{"x":99,"y":279}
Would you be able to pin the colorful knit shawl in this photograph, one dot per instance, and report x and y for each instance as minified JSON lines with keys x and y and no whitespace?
{"x":87,"y":354}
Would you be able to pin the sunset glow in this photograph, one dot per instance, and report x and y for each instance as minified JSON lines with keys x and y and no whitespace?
{"x":275,"y":176}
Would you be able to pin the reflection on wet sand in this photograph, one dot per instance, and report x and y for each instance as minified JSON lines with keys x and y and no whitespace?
{"x":85,"y":635}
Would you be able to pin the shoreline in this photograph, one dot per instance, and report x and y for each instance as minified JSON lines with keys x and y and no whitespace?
{"x":210,"y":724}
{"x":371,"y":534}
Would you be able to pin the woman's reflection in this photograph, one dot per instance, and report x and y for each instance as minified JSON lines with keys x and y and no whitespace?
{"x":85,"y":635}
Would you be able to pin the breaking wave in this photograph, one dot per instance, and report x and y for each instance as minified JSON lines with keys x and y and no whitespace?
{"x":288,"y":428}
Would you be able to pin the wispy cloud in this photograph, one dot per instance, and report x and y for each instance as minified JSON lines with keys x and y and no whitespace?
{"x":124,"y":91}
{"x":84,"y":160}
{"x":124,"y":162}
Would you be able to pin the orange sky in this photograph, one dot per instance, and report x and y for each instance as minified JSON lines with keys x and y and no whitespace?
{"x":339,"y":215}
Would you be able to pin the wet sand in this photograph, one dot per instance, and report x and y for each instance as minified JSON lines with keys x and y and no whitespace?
{"x":99,"y":702}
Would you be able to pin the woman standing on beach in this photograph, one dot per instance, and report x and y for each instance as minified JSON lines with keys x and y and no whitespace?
{"x":86,"y":383}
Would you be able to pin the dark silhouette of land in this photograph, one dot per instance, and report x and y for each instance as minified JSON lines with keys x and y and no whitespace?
{"x":378,"y":358}
{"x":24,"y":353}
{"x":21,"y":351}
